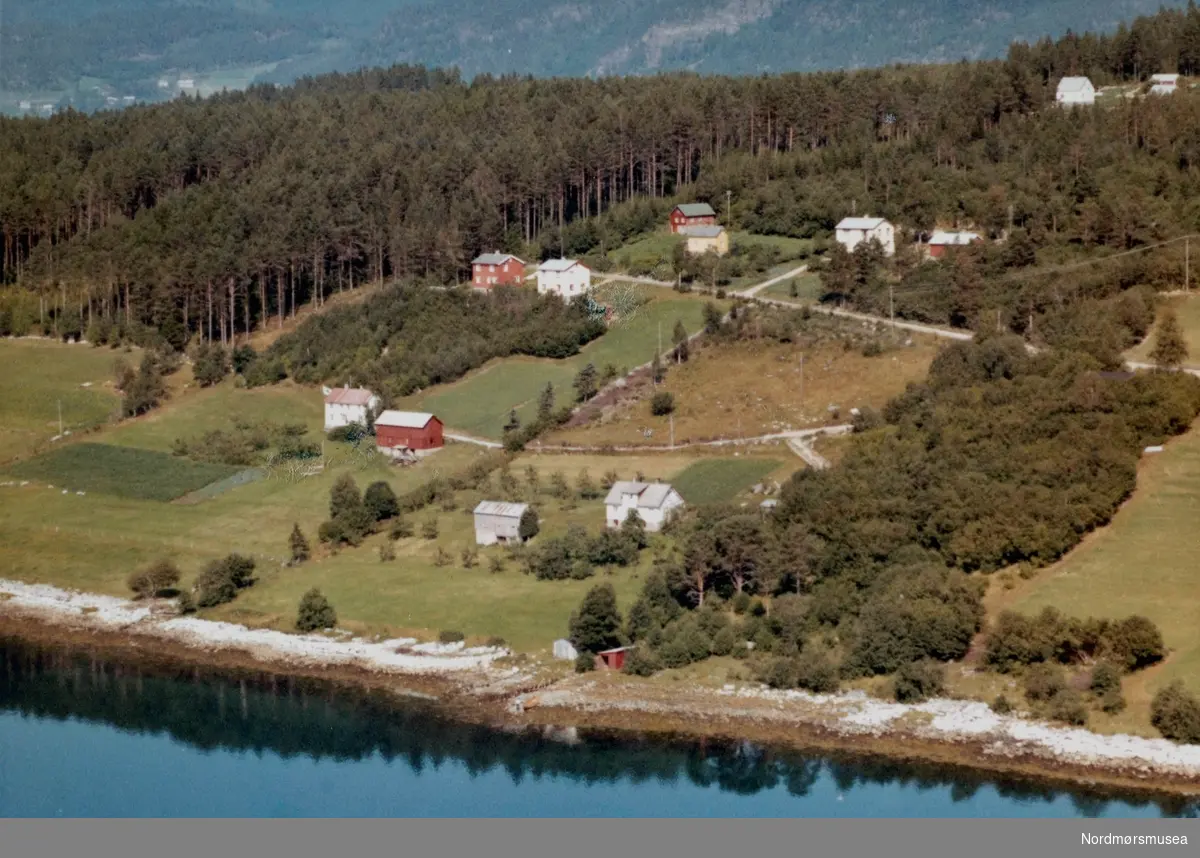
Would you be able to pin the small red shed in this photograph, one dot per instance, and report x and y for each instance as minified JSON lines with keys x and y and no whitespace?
{"x":496,"y":269}
{"x":612,"y":659}
{"x":410,"y":430}
{"x":692,"y":214}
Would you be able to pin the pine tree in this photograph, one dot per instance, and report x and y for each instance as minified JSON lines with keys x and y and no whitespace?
{"x":344,"y":497}
{"x":596,"y":625}
{"x":585,"y":383}
{"x":529,"y":526}
{"x":381,"y":501}
{"x":657,"y":373}
{"x":1170,"y":348}
{"x":514,"y":422}
{"x":546,"y":404}
{"x":315,"y":612}
{"x":299,"y":545}
{"x":680,"y":337}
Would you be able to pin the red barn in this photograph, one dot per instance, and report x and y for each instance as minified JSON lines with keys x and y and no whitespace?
{"x":497,"y":269}
{"x":612,"y":659}
{"x":941,"y":242}
{"x":692,"y":214}
{"x":410,"y":431}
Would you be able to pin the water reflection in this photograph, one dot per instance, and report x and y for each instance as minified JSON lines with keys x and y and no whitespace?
{"x":267,"y":714}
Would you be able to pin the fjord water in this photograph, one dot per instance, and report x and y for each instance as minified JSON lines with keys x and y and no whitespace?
{"x":81,"y":736}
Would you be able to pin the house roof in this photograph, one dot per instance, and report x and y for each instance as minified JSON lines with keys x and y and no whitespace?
{"x":941,"y":237}
{"x":559,"y":265}
{"x":404,"y":419}
{"x":860,"y":222}
{"x":649,"y":495}
{"x":695,"y":210}
{"x":1165,"y":78}
{"x":702,"y":231}
{"x":614,"y":650}
{"x":349,"y":396}
{"x":1074,"y":84}
{"x":496,"y":258}
{"x":500,"y":508}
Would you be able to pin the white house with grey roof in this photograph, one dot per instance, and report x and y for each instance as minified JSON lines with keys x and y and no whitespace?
{"x":653,"y":503}
{"x":853,"y":231}
{"x":497,"y":521}
{"x":702,"y":239}
{"x":1075,"y":90}
{"x":566,"y":278}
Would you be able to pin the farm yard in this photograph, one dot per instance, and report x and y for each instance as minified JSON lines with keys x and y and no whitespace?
{"x":714,"y":399}
{"x":480,"y":403}
{"x":652,"y":254}
{"x":40,"y":374}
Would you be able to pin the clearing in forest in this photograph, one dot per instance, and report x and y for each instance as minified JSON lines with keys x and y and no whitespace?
{"x":480,"y":403}
{"x":752,"y":388}
{"x":1144,"y":562}
{"x":38,"y":375}
{"x":721,"y":480}
{"x":1187,"y":310}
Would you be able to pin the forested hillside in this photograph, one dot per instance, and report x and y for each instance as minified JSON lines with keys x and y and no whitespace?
{"x":68,"y":50}
{"x":239,"y":207}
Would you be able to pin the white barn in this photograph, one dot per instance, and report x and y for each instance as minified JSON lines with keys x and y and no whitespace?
{"x":346,"y":405}
{"x":853,"y":231}
{"x":1075,"y":90}
{"x":496,"y":521}
{"x":652,"y":501}
{"x":565,"y":278}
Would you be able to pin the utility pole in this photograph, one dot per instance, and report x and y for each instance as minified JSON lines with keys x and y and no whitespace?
{"x":892,"y":304}
{"x":1187,"y":259}
{"x":999,"y":329}
{"x":801,"y":378}
{"x":672,"y":421}
{"x":60,"y":425}
{"x":729,"y":209}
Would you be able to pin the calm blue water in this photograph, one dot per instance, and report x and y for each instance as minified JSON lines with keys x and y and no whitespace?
{"x":84,"y":737}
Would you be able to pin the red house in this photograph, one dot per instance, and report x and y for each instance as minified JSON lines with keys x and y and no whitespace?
{"x":612,"y":659}
{"x":403,"y":432}
{"x":496,"y":269}
{"x":692,"y":214}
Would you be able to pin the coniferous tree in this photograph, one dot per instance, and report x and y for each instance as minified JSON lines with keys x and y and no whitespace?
{"x":596,"y":625}
{"x":586,"y":383}
{"x":546,"y":404}
{"x":680,"y":338}
{"x":528,"y":526}
{"x":298,"y":545}
{"x":315,"y":612}
{"x":1170,"y":348}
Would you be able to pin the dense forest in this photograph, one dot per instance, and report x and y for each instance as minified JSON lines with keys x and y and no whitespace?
{"x":242,"y":206}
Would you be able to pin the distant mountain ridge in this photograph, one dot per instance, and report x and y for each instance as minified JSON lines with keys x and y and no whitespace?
{"x":83,"y":50}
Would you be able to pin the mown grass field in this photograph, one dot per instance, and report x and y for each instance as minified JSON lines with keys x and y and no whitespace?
{"x":711,"y":481}
{"x":658,"y":247}
{"x":754,"y":388}
{"x":1144,"y":562}
{"x":1187,"y":310}
{"x":481,"y":402}
{"x":808,"y":288}
{"x":125,"y":472}
{"x":39,"y":374}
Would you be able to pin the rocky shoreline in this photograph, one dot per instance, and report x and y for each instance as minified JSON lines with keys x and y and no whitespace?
{"x":483,"y":685}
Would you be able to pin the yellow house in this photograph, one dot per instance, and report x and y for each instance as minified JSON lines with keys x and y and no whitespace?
{"x":701,"y":239}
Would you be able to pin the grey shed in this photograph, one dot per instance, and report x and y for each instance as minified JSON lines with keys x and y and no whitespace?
{"x":564,"y":650}
{"x":496,"y":521}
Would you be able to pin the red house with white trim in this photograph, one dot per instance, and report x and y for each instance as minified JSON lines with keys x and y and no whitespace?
{"x":692,"y":214}
{"x":402,"y":432}
{"x":497,"y":269}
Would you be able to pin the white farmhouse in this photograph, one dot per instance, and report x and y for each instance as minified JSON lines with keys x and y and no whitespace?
{"x":1164,"y":84}
{"x":346,"y":405}
{"x":496,"y":521}
{"x":1075,"y":90}
{"x":853,"y":231}
{"x":652,"y":501}
{"x":565,"y":278}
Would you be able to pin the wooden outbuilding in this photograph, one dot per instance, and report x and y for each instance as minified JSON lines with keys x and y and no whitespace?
{"x":692,"y":214}
{"x":612,"y":659}
{"x":398,"y":432}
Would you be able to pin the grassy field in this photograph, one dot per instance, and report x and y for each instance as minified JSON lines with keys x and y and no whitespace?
{"x":721,"y":480}
{"x":125,"y":472}
{"x":808,"y":288}
{"x":39,"y":374}
{"x":1142,"y":563}
{"x":657,"y":247}
{"x":481,"y":402}
{"x":714,"y":402}
{"x":1187,"y":309}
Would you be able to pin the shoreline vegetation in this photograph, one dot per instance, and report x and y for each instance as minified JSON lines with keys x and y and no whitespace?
{"x":488,"y":685}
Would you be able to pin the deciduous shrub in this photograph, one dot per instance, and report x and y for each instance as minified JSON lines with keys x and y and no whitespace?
{"x":1175,"y":712}
{"x":918,"y":680}
{"x":220,"y":580}
{"x":448,"y":636}
{"x":662,"y":403}
{"x":154,"y":579}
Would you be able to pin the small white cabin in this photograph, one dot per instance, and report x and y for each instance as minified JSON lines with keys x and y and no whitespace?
{"x":496,"y":521}
{"x":653,"y":502}
{"x":1164,"y":84}
{"x":853,"y":231}
{"x":346,"y":405}
{"x":1075,"y":90}
{"x":566,"y":278}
